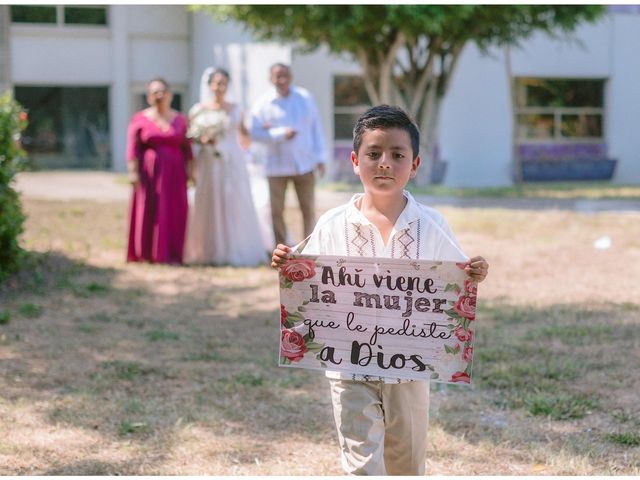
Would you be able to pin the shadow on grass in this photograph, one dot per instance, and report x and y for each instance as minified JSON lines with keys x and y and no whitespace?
{"x":142,"y":369}
{"x":94,"y":467}
{"x":562,"y":364}
{"x":118,"y":361}
{"x":46,"y":273}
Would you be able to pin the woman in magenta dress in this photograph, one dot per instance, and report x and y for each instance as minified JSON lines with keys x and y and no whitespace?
{"x":159,"y":162}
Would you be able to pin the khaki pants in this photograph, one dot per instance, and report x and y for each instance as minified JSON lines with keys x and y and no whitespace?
{"x":304,"y":185}
{"x":382,"y":427}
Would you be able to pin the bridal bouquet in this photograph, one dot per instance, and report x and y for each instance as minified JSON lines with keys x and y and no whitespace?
{"x":211,"y":124}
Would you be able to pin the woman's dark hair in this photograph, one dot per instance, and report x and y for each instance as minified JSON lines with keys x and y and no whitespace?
{"x":220,"y":71}
{"x":385,"y":117}
{"x":161,"y":80}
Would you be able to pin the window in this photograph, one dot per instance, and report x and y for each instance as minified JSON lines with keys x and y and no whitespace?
{"x":68,"y":126}
{"x":59,"y":15}
{"x":559,"y":110}
{"x":33,"y":14}
{"x":85,"y":15}
{"x":350,"y":101}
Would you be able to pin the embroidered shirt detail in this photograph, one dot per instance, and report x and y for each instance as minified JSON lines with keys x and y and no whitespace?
{"x":360,"y":240}
{"x":418,"y":241}
{"x":405,"y":240}
{"x":346,"y":235}
{"x":373,"y":243}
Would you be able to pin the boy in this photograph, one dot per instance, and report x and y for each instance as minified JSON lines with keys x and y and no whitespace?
{"x":382,"y":422}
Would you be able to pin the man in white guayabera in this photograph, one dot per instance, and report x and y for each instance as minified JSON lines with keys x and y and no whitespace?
{"x":286,"y":120}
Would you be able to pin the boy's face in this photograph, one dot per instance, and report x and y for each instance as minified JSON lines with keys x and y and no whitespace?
{"x":385,"y":161}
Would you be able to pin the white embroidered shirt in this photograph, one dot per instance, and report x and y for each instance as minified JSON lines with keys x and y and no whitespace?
{"x":420,"y":233}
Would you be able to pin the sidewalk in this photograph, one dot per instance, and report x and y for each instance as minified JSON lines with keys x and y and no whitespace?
{"x":109,"y":187}
{"x":73,"y":185}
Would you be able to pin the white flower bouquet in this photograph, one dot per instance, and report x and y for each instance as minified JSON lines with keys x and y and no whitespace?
{"x":210,"y":125}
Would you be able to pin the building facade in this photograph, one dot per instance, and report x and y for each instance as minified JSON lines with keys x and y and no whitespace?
{"x":81,"y":73}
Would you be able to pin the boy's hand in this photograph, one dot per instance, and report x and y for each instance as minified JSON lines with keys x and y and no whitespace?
{"x":280,"y":256}
{"x":477,"y":268}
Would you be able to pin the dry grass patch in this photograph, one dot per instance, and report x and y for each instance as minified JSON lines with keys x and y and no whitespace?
{"x":112,"y":368}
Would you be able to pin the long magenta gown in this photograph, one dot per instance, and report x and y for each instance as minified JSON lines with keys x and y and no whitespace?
{"x":158,"y":214}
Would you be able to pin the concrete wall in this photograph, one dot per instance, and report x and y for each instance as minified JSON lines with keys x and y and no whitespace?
{"x":623,"y":99}
{"x":248,"y":62}
{"x":476,"y":127}
{"x":153,"y":42}
{"x":475,"y":124}
{"x":315,"y":72}
{"x":139,"y":43}
{"x":49,"y":55}
{"x":475,"y":132}
{"x":584,"y":53}
{"x":228,"y":46}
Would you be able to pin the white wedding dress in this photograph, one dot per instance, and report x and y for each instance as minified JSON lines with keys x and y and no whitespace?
{"x":222,"y":225}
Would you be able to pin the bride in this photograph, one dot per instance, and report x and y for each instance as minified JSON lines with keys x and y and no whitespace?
{"x":223,"y":227}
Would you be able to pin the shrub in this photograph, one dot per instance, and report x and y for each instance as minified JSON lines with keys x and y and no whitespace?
{"x":13,"y":120}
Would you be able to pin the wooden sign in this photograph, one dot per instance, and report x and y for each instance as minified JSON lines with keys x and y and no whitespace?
{"x":377,"y":316}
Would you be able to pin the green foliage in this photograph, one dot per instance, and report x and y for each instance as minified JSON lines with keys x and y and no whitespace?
{"x":248,"y":379}
{"x":412,"y":38}
{"x":203,"y":357}
{"x":160,"y":335}
{"x":13,"y":120}
{"x":560,"y":407}
{"x":30,"y":310}
{"x":90,"y":289}
{"x":5,"y":316}
{"x":350,"y":28}
{"x":127,"y":428}
{"x":125,"y":370}
{"x":631,"y":439}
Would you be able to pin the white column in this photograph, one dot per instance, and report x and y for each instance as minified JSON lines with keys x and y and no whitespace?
{"x":120,"y":91}
{"x":623,"y":102}
{"x":5,"y":49}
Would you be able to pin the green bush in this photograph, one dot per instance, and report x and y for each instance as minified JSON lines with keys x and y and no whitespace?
{"x":13,"y":120}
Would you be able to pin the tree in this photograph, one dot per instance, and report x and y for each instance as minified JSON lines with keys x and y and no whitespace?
{"x":408,"y":53}
{"x":13,"y":120}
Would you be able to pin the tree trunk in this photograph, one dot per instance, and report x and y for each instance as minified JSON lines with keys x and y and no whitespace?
{"x":422,"y":99}
{"x":429,"y":136}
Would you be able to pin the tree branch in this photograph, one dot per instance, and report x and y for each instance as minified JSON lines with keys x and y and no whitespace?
{"x":367,"y":77}
{"x":447,"y":72}
{"x":423,"y":81}
{"x":386,"y":70}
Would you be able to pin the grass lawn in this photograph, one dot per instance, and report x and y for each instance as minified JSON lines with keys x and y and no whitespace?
{"x":114,"y":368}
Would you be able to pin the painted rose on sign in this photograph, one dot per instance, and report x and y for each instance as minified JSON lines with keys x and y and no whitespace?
{"x":296,"y":270}
{"x":462,"y":313}
{"x":471,"y":287}
{"x":295,"y":340}
{"x":466,"y":307}
{"x":461,"y":377}
{"x":292,"y":345}
{"x":463,"y":335}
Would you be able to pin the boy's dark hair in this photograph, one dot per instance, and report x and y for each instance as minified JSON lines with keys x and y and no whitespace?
{"x":385,"y":117}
